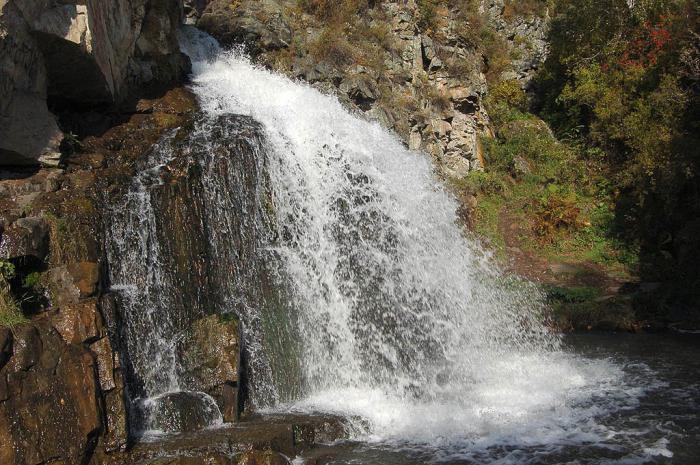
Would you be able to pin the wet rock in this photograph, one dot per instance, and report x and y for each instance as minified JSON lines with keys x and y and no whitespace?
{"x":26,"y":237}
{"x":5,"y":346}
{"x":116,"y":435}
{"x":85,"y":276}
{"x":78,"y":322}
{"x":261,"y":457}
{"x":210,"y":354}
{"x":105,"y":363}
{"x":61,"y":287}
{"x":205,"y":459}
{"x":181,"y":412}
{"x":26,"y":349}
{"x":51,"y":410}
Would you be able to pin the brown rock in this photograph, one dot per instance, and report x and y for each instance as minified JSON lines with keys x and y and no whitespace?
{"x":78,"y":322}
{"x":86,"y":276}
{"x":61,"y":287}
{"x":226,"y":396}
{"x":115,"y":410}
{"x":211,"y":352}
{"x":26,"y":348}
{"x":210,"y":355}
{"x":5,"y":346}
{"x":261,"y":457}
{"x":51,"y":412}
{"x":25,"y":237}
{"x":207,"y":459}
{"x":105,"y":363}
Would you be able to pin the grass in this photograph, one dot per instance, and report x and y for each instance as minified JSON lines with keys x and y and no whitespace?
{"x":561,"y":200}
{"x":10,"y":310}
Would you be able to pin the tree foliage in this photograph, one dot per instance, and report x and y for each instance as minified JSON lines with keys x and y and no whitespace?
{"x":625,"y":79}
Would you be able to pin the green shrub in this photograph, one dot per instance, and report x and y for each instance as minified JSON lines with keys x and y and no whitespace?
{"x":10,"y":311}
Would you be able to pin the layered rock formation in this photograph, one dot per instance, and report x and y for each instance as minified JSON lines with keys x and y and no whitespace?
{"x":62,"y":387}
{"x":79,"y":54}
{"x":422,"y":77}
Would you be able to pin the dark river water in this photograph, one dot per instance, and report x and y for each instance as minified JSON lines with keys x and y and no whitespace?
{"x":658,"y":424}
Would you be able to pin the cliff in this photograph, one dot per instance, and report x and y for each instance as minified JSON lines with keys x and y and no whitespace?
{"x":77,"y":54}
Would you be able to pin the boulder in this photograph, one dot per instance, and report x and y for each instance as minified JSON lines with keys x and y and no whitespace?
{"x":50,"y":410}
{"x":210,"y":361}
{"x":520,"y":167}
{"x":260,"y":25}
{"x":82,"y":52}
{"x":181,"y":411}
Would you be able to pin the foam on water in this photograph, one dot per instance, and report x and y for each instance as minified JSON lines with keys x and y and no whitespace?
{"x":402,"y":320}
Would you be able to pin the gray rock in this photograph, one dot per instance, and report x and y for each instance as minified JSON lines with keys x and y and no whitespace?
{"x":74,"y":51}
{"x":261,"y":25}
{"x":181,"y":412}
{"x":520,"y":167}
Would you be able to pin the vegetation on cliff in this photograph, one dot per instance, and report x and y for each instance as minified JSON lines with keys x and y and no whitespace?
{"x":615,"y":185}
{"x":627,"y":84}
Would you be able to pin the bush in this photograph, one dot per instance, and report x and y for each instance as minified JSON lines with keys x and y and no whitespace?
{"x":556,"y":212}
{"x":10,"y":311}
{"x":627,"y":84}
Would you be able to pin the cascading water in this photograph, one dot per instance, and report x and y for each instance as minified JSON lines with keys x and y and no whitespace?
{"x":401,"y":320}
{"x":357,"y":290}
{"x":186,"y":241}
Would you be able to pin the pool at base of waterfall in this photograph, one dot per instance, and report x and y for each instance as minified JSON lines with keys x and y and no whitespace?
{"x":650,"y":415}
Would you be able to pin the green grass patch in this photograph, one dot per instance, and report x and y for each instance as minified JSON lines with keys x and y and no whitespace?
{"x":10,"y":310}
{"x":562,"y":199}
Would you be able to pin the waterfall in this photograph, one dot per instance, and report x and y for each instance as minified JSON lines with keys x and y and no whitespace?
{"x":185,"y":241}
{"x":358,"y":291}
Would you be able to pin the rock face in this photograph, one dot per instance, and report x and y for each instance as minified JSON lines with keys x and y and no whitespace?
{"x":426,"y":90}
{"x":427,"y":82}
{"x":62,"y":389}
{"x":211,"y":357}
{"x":527,"y":34}
{"x":259,"y":24}
{"x":47,"y":386}
{"x":78,"y":53}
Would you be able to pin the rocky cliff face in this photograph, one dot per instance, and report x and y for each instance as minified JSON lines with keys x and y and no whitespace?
{"x":422,"y":73}
{"x":62,"y":377}
{"x":77,"y":53}
{"x":526,"y":33}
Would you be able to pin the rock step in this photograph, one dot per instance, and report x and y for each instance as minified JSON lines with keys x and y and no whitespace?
{"x":286,"y":434}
